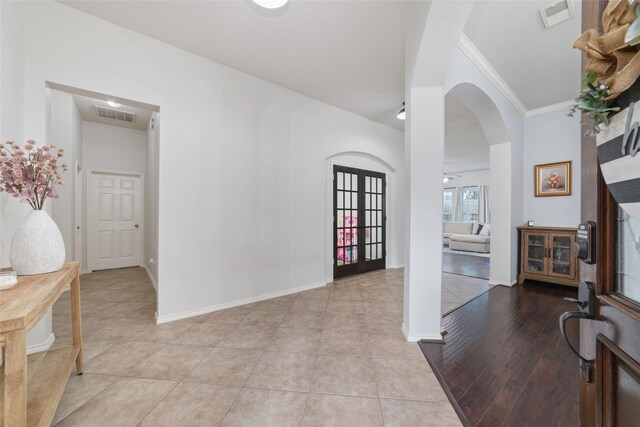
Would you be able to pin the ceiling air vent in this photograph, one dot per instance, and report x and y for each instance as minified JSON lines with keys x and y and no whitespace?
{"x":557,"y":12}
{"x":109,"y":113}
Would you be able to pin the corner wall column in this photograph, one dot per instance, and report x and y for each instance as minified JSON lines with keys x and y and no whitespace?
{"x":424,"y":157}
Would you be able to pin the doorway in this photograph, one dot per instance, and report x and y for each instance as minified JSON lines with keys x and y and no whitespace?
{"x":115,"y":220}
{"x":359,"y":226}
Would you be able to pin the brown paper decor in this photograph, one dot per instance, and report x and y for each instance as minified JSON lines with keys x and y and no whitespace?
{"x":616,"y":62}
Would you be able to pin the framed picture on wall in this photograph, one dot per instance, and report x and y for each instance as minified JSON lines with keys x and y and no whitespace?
{"x":553,"y":179}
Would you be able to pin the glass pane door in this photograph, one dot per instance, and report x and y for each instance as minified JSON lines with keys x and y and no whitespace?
{"x":536,"y":252}
{"x":628,"y":257}
{"x":560,"y":261}
{"x":359,"y":206}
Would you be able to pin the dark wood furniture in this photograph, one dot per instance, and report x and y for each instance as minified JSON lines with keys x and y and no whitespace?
{"x":546,"y":255}
{"x":31,"y":398}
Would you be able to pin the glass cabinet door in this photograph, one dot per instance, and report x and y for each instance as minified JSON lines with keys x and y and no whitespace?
{"x":560,"y":264}
{"x":536,"y":247}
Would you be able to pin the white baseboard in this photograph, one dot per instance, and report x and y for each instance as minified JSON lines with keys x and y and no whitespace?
{"x":153,"y":281}
{"x":414,"y":338}
{"x":496,"y":283}
{"x":42,"y":347}
{"x":218,"y":307}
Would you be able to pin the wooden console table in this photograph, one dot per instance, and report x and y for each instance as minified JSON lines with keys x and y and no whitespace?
{"x":34,"y":402}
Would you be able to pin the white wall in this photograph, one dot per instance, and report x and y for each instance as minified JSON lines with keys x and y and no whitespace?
{"x":114,"y":148}
{"x":151,"y":199}
{"x":65,"y":131}
{"x":468,"y":179}
{"x":549,"y":138}
{"x":12,"y":127}
{"x":242,"y":161}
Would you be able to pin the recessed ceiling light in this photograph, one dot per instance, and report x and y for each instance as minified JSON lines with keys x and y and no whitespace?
{"x":114,"y":104}
{"x":270,"y":4}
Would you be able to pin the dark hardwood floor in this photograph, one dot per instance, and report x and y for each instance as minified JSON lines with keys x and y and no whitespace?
{"x":505,"y":361}
{"x":466,"y":265}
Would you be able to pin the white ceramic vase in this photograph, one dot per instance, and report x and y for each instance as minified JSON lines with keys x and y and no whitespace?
{"x":37,"y":246}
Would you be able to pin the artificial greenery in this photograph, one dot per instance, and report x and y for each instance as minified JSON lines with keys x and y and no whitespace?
{"x":592,"y":101}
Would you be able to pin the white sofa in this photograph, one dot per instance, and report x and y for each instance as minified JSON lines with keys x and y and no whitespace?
{"x":462,"y":236}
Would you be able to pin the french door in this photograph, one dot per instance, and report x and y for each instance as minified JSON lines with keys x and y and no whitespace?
{"x":359,"y":221}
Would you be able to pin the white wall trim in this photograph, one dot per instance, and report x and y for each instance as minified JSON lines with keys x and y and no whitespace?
{"x":550,"y":108}
{"x":469,"y":49}
{"x":218,"y":307}
{"x":153,"y":281}
{"x":495,"y":283}
{"x":414,"y":338}
{"x":43,"y":346}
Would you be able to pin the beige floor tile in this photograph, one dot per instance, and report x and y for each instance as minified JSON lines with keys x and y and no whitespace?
{"x":407,"y":379}
{"x":225,"y":367}
{"x":79,"y":389}
{"x":248,"y":337}
{"x":376,"y":294}
{"x":310,"y":304}
{"x":263,"y":317}
{"x":345,"y":293}
{"x":383,"y":322}
{"x":407,"y":413}
{"x":375,"y":306}
{"x":292,"y":340}
{"x":394,"y":346}
{"x":191,"y":404}
{"x":344,"y":322}
{"x":165,"y":332}
{"x":342,"y":411}
{"x":344,"y":306}
{"x":172,"y":362}
{"x":347,"y":375}
{"x":121,"y":358}
{"x":231,"y":316}
{"x":348,"y":343}
{"x":120,"y":329}
{"x":283,"y":371}
{"x":257,"y":407}
{"x":303,"y":319}
{"x":90,"y":348}
{"x":124,"y":403}
{"x":204,"y":334}
{"x":322,"y":293}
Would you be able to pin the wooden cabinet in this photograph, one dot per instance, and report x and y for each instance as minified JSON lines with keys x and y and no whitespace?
{"x":546,"y":256}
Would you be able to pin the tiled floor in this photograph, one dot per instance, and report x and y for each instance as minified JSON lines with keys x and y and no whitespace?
{"x":330,"y":356}
{"x":458,"y":290}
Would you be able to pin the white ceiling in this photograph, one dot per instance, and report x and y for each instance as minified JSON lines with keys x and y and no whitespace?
{"x":347,"y":53}
{"x":86,"y":107}
{"x":538,"y":64}
{"x":351,"y":53}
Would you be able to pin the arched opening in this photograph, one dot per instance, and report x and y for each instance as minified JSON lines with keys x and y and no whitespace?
{"x":485,"y":142}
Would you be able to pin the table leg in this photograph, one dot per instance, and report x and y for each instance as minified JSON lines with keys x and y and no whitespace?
{"x":15,"y":378}
{"x":76,"y":320}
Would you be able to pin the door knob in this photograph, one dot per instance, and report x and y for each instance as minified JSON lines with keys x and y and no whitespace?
{"x":137,"y":225}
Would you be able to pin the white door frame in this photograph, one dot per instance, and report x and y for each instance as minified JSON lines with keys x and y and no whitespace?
{"x":90,"y":225}
{"x":77,"y":227}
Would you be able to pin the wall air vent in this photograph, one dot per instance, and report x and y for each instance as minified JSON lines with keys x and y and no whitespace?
{"x":557,"y":12}
{"x":110,"y":113}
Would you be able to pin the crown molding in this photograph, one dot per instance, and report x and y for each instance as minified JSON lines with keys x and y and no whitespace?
{"x":469,"y":49}
{"x":550,"y":108}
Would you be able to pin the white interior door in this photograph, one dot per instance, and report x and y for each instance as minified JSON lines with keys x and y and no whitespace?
{"x":115,"y":221}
